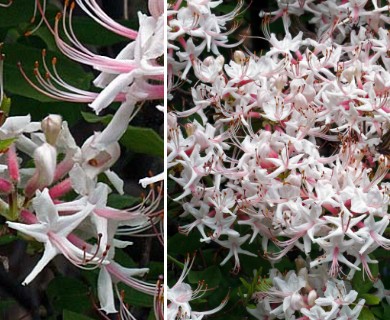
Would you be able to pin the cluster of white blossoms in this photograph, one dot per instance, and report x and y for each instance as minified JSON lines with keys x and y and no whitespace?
{"x":291,"y":146}
{"x":85,"y":229}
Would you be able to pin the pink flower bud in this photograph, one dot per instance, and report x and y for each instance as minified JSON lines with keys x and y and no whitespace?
{"x":156,"y":7}
{"x":5,"y":186}
{"x":13,"y":165}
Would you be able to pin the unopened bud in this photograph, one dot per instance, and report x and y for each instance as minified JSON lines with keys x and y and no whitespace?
{"x":156,"y":8}
{"x":190,"y":129}
{"x":45,"y":158}
{"x":239,"y":57}
{"x":6,"y":186}
{"x":220,"y":60}
{"x":296,"y":301}
{"x":312,"y":297}
{"x":51,"y":126}
{"x":300,"y":263}
{"x":209,"y":61}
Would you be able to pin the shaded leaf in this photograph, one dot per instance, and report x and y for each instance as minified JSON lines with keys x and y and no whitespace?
{"x":136,"y":298}
{"x":143,"y":140}
{"x":211,"y":276}
{"x":89,"y":32}
{"x":70,"y":71}
{"x":70,"y":315}
{"x":122,"y":201}
{"x":93,"y":118}
{"x":366,"y":314}
{"x":370,"y":299}
{"x":69,"y":294}
{"x":363,"y":285}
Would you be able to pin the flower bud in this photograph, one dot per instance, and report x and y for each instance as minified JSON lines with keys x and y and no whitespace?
{"x":51,"y":126}
{"x":239,"y":57}
{"x":6,"y":187}
{"x":220,"y":60}
{"x":190,"y":129}
{"x":156,"y":8}
{"x":296,"y":301}
{"x":311,"y":298}
{"x":45,"y":158}
{"x":209,"y":61}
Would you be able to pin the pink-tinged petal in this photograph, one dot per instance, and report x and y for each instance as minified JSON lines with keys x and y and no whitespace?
{"x":105,"y":291}
{"x":49,"y":253}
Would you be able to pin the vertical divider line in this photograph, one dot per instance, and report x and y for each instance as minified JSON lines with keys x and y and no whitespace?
{"x":165,"y":157}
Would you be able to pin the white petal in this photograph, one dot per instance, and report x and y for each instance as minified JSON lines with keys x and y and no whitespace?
{"x":146,"y":181}
{"x":49,"y":253}
{"x":44,"y":207}
{"x":115,"y":180}
{"x":105,"y":291}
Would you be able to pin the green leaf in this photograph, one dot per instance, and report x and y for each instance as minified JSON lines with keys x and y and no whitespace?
{"x":364,"y":285}
{"x":151,"y":316}
{"x":136,"y":298}
{"x":70,"y":294}
{"x":70,"y":315}
{"x":377,"y":311}
{"x":370,"y":299}
{"x":5,"y":144}
{"x":5,"y":239}
{"x":182,"y":244}
{"x":89,"y":32}
{"x":366,"y":314}
{"x":5,"y":105}
{"x":211,"y":276}
{"x":118,"y":201}
{"x":20,"y":11}
{"x":143,"y":140}
{"x":39,"y":110}
{"x":136,"y":139}
{"x":69,"y":71}
{"x":93,"y":118}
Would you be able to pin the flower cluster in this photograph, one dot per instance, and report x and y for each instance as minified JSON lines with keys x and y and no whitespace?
{"x":70,"y":227}
{"x":310,"y":292}
{"x":136,"y":75}
{"x":290,"y":147}
{"x":193,"y":28}
{"x":181,"y":294}
{"x":61,"y":202}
